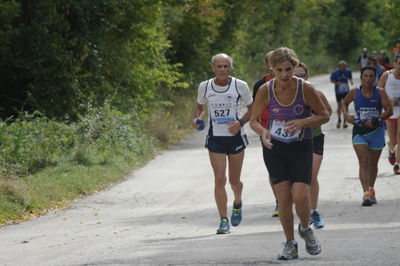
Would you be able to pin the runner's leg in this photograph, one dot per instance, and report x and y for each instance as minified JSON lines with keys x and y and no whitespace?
{"x":235,"y":169}
{"x":301,"y":199}
{"x":317,"y":160}
{"x":363,"y":154}
{"x":283,"y":193}
{"x":218,"y":163}
{"x":373,"y":166}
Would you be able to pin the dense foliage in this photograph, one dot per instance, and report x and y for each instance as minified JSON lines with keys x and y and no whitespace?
{"x":97,"y":83}
{"x":57,"y":55}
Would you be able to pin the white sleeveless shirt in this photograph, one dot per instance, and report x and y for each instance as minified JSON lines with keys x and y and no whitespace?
{"x":224,"y":104}
{"x":392,"y":88}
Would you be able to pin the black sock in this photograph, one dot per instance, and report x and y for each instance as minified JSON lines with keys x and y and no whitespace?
{"x":237,"y":206}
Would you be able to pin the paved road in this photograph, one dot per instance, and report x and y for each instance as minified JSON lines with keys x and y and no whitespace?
{"x":164,"y":214}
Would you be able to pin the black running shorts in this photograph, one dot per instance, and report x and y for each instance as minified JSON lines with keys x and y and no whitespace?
{"x":340,"y":96}
{"x":289,"y":161}
{"x":227,"y":145}
{"x":318,"y":144}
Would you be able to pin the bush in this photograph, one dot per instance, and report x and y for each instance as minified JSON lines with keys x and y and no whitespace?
{"x":33,"y":142}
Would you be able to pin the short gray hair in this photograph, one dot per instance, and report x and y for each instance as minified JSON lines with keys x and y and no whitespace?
{"x":223,"y":56}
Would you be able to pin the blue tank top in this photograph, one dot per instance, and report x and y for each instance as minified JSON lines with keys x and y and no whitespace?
{"x":280,"y":114}
{"x":367,"y":108}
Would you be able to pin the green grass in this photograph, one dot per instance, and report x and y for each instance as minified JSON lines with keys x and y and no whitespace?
{"x":80,"y":158}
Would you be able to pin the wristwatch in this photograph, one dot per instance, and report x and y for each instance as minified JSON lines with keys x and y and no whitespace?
{"x":241,"y":121}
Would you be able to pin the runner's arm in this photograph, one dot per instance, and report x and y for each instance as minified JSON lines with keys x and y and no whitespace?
{"x":260,"y":103}
{"x":345,"y":106}
{"x":198,"y":113}
{"x":387,"y":106}
{"x":325,"y":102}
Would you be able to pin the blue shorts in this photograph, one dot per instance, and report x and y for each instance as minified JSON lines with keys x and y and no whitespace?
{"x":227,"y":145}
{"x":375,"y":139}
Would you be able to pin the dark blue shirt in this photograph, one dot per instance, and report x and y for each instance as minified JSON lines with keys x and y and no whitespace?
{"x":343,"y":78}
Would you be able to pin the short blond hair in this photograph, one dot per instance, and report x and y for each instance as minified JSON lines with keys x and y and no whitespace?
{"x":283,"y":54}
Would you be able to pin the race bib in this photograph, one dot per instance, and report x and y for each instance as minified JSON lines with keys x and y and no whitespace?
{"x":278,"y":131}
{"x":366,"y":113}
{"x":343,"y":88}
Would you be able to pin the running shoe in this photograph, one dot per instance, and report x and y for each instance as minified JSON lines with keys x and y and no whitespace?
{"x":275,"y":213}
{"x":236,"y":217}
{"x":366,"y":199}
{"x":396,"y":169}
{"x":345,"y":125}
{"x":223,"y":226}
{"x":392,"y":158}
{"x":313,"y":247}
{"x":290,"y":251}
{"x":317,"y":220}
{"x":372,"y":196}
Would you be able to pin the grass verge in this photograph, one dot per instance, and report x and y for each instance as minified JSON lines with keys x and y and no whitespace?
{"x":101,"y":150}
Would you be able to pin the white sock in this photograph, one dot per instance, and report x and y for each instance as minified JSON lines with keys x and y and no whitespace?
{"x":303,"y":229}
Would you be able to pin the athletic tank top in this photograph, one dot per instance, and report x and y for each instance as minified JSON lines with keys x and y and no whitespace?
{"x":367,"y":108}
{"x":392,"y":88}
{"x":223,"y":107}
{"x":279,"y":114}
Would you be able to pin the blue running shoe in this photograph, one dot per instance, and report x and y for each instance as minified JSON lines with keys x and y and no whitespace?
{"x":317,"y":220}
{"x":223,"y":226}
{"x":236,"y":217}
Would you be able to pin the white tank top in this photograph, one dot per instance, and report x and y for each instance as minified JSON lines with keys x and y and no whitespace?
{"x":223,"y":107}
{"x":392,"y":88}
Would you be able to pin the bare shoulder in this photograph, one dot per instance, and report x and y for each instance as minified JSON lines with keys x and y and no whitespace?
{"x":308,"y":87}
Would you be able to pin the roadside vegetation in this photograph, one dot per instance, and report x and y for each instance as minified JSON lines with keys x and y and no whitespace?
{"x":92,"y":89}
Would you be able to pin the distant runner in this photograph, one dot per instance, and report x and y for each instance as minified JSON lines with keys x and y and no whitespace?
{"x":368,"y":130}
{"x":301,"y":71}
{"x":341,"y":77}
{"x":267,"y":77}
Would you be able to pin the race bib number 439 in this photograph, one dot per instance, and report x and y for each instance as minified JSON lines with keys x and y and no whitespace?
{"x":278,"y":131}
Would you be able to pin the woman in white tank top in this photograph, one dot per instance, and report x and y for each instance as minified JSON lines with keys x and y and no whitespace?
{"x":390,"y":81}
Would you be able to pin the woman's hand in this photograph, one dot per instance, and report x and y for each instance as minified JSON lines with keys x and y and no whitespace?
{"x":293,"y":126}
{"x":266,"y":139}
{"x":349,"y":118}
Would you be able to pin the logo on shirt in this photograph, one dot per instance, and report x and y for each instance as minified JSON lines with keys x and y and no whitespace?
{"x":229,"y":96}
{"x":298,"y":109}
{"x":275,"y":110}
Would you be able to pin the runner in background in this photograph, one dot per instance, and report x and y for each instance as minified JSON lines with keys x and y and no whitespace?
{"x":363,"y":58}
{"x":301,"y":71}
{"x":379,"y":69}
{"x":341,"y":77}
{"x":368,"y":131}
{"x":268,"y":76}
{"x":226,"y":141}
{"x":390,"y":81}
